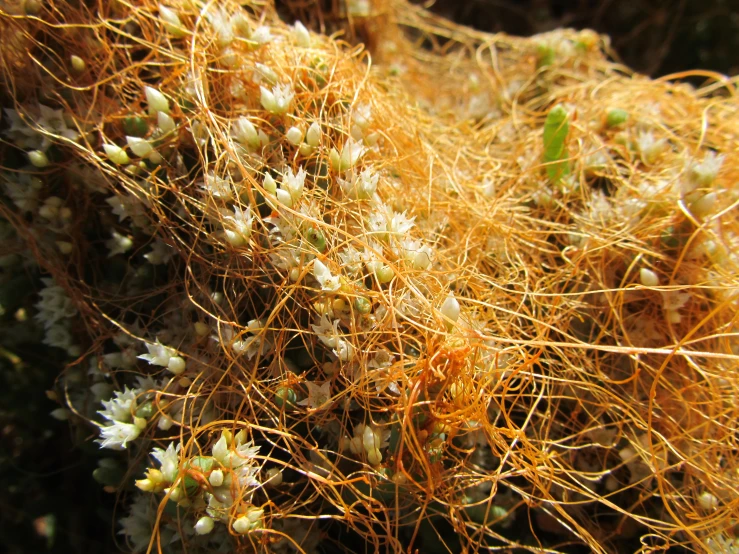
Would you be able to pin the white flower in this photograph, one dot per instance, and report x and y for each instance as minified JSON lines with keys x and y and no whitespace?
{"x":169,"y":461}
{"x":649,"y":147}
{"x":121,"y":406}
{"x":117,"y":435}
{"x":264,"y":73}
{"x":238,"y":226}
{"x":351,"y":260}
{"x":54,"y":304}
{"x":382,"y":225}
{"x":673,"y":300}
{"x":53,"y":122}
{"x":399,"y":224}
{"x":377,"y":225}
{"x":371,"y":257}
{"x":705,"y":172}
{"x":222,"y":25}
{"x":361,"y":186}
{"x":301,"y":35}
{"x":217,"y":186}
{"x":120,"y":360}
{"x":416,"y":253}
{"x":48,"y":123}
{"x":285,"y":258}
{"x":58,"y":336}
{"x":277,"y":101}
{"x":244,"y":132}
{"x":293,"y":184}
{"x":261,"y":35}
{"x":328,"y":334}
{"x":23,"y":189}
{"x":318,"y":396}
{"x":158,"y":354}
{"x":408,"y":305}
{"x":381,"y":359}
{"x":328,"y":282}
{"x":160,"y":253}
{"x":119,"y":244}
{"x":256,"y":343}
{"x":361,"y":116}
{"x":242,"y":458}
{"x":350,"y":154}
{"x":121,"y":206}
{"x":171,"y":21}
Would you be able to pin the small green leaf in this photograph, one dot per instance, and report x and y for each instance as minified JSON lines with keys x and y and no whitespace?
{"x":616,"y":117}
{"x":135,"y":126}
{"x":556,"y":129}
{"x":544,"y":55}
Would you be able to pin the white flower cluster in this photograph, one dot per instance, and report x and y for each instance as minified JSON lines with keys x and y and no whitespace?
{"x":231,"y":473}
{"x":123,"y":424}
{"x":254,"y":342}
{"x":48,"y":125}
{"x":368,"y":440}
{"x":23,"y":189}
{"x":328,"y":333}
{"x":164,"y":356}
{"x":291,"y":187}
{"x":55,"y":309}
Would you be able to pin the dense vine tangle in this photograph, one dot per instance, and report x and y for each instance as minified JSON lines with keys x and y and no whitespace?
{"x":404,"y":296}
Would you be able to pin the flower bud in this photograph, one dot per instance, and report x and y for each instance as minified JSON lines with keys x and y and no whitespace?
{"x":294,"y":136}
{"x":165,"y":122}
{"x":116,"y":154}
{"x":216,"y":478}
{"x":648,"y":277}
{"x":140,"y":147}
{"x":38,"y":158}
{"x":302,"y":37}
{"x":176,"y":365}
{"x":374,"y":457}
{"x":204,"y":525}
{"x":242,"y":525}
{"x":274,"y":477}
{"x":450,"y":309}
{"x":313,"y":136}
{"x":77,"y":63}
{"x":157,"y":101}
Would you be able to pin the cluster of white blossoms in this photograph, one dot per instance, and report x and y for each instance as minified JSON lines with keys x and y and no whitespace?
{"x":368,"y":441}
{"x":294,"y":195}
{"x":125,"y":416}
{"x":55,"y":312}
{"x":219,"y":486}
